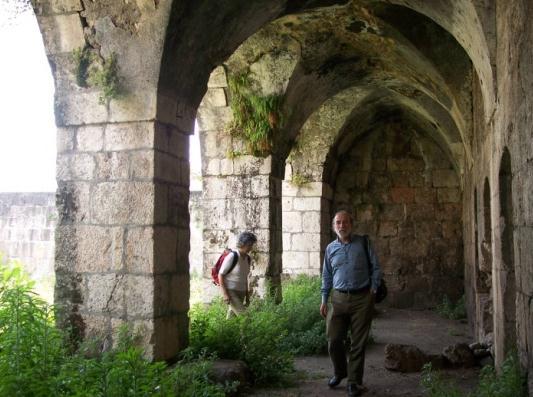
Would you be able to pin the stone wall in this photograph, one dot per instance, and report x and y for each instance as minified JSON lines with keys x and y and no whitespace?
{"x":27,"y":229}
{"x":405,"y":195}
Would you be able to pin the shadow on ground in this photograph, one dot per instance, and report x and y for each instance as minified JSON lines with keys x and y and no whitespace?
{"x":424,"y":329}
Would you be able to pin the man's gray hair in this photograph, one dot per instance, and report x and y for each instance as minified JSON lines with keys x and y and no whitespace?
{"x":341,"y":212}
{"x":246,"y":238}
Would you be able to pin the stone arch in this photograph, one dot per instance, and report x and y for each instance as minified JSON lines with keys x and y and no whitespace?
{"x":145,"y":201}
{"x":506,"y":268}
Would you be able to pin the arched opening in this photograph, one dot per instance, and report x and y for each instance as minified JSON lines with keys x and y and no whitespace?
{"x":507,"y":269}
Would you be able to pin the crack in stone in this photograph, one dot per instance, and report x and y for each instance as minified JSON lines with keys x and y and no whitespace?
{"x":118,"y":279}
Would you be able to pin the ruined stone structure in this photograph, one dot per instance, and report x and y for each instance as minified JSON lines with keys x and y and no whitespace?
{"x":27,"y":230}
{"x":410,"y":113}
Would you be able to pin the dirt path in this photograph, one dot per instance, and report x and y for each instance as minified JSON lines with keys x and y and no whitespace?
{"x":424,"y":329}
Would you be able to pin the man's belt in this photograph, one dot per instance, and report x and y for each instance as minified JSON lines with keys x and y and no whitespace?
{"x":354,"y":291}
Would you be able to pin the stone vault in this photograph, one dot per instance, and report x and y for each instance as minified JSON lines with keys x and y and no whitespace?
{"x":409,"y":113}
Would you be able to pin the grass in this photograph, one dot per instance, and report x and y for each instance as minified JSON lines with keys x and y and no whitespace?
{"x":451,"y":310}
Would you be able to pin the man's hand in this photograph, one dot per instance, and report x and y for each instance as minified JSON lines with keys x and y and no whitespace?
{"x":324,"y":309}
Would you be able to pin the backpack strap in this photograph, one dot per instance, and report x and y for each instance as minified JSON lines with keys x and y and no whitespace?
{"x":233,"y":261}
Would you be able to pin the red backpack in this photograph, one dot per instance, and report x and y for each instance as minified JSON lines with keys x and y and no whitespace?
{"x":215,"y":269}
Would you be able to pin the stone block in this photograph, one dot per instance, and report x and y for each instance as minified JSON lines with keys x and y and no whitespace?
{"x":128,"y":136}
{"x":215,"y":188}
{"x":388,"y":229}
{"x":180,"y":293}
{"x":307,"y":203}
{"x":212,"y":168}
{"x":42,"y":7}
{"x":215,"y":97}
{"x":365,"y":213}
{"x":214,"y":119}
{"x":76,"y":108}
{"x":98,"y":249}
{"x":105,"y":294}
{"x":444,"y":178}
{"x":288,"y":189}
{"x":311,"y":189}
{"x":295,"y":260}
{"x":402,"y":195}
{"x":292,"y":221}
{"x":90,"y":138}
{"x":286,"y":241}
{"x":171,"y":335}
{"x":425,"y":195}
{"x":141,"y":164}
{"x":311,"y":222}
{"x":218,"y":214}
{"x":286,"y":203}
{"x":418,"y":212}
{"x":61,"y":33}
{"x":448,"y":195}
{"x":123,"y":203}
{"x":167,"y":168}
{"x":73,"y":202}
{"x":226,"y":167}
{"x":178,"y":143}
{"x":166,"y":249}
{"x":65,"y":139}
{"x":139,"y":296}
{"x":139,"y":252}
{"x":162,"y":206}
{"x":113,"y":165}
{"x":308,"y":242}
{"x":400,"y":178}
{"x":131,"y":108}
{"x":217,"y":78}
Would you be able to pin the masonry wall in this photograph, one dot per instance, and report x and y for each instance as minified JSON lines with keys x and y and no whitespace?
{"x":405,"y":195}
{"x":27,"y":229}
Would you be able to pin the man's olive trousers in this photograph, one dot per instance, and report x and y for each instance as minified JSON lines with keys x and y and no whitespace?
{"x":353,"y":313}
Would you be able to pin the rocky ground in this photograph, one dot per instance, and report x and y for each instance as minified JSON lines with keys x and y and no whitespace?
{"x":424,"y":329}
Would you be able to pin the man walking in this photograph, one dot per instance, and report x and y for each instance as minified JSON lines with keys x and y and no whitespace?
{"x":351,"y":281}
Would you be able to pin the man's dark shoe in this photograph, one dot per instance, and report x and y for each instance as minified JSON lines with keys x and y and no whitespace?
{"x":354,"y":390}
{"x":335,"y":380}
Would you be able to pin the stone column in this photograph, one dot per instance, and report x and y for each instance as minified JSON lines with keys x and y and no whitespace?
{"x":122,"y":235}
{"x":306,"y":230}
{"x":240,"y":192}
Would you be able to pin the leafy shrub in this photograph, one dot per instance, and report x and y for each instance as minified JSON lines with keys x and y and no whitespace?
{"x":450,"y":310}
{"x":436,"y":386}
{"x":34,"y":359}
{"x":267,"y":335}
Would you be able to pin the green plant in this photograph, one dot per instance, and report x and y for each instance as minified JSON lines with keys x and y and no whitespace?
{"x":450,"y":310}
{"x":299,"y":179}
{"x":93,"y":71}
{"x":436,"y":386}
{"x":255,"y":117}
{"x":511,"y":382}
{"x":105,"y":77}
{"x":82,"y":58}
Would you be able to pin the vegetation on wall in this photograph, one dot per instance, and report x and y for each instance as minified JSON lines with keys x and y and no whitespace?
{"x":255,"y":117}
{"x":92,"y":70}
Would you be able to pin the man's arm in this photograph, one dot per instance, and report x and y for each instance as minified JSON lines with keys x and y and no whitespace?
{"x":225,"y":295}
{"x":327,"y":282}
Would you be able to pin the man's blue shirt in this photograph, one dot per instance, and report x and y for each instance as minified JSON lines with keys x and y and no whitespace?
{"x":346,"y":266}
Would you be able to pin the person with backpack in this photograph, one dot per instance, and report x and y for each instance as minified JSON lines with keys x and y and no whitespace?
{"x":350,"y":277}
{"x":233,"y":274}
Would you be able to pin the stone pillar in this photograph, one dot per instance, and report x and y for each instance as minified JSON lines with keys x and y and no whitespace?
{"x":306,"y":226}
{"x":240,"y":192}
{"x":122,"y":234}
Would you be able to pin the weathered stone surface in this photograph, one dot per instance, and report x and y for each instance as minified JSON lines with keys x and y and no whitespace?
{"x":404,"y":358}
{"x":129,"y":136}
{"x":62,"y":33}
{"x":90,"y":138}
{"x":459,"y":355}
